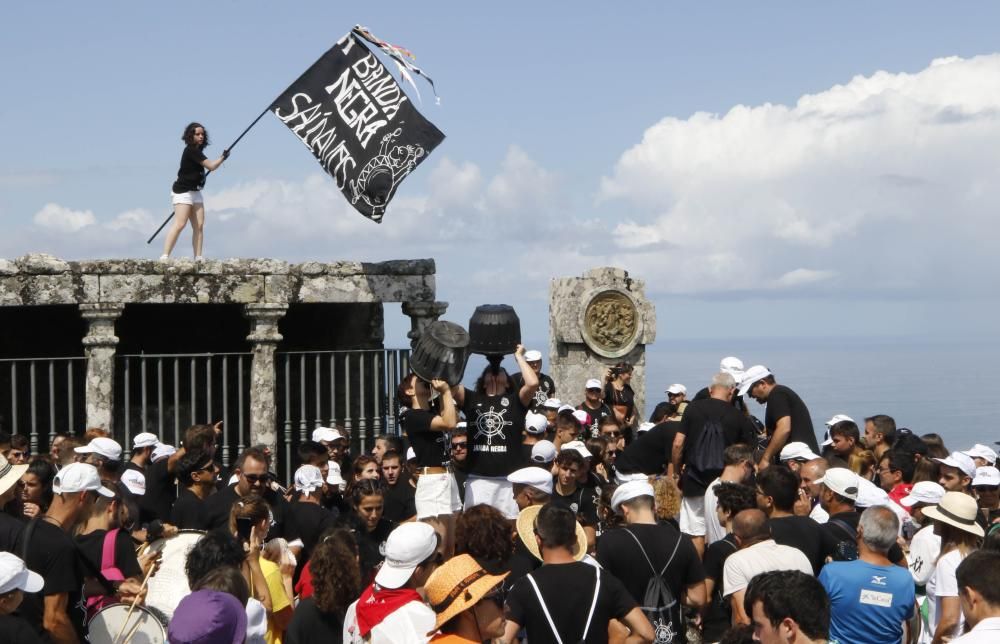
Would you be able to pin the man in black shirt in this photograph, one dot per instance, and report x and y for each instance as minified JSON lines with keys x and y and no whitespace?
{"x":777,"y":491}
{"x":549,"y":602}
{"x":645,"y":548}
{"x":732,"y":498}
{"x":579,"y":500}
{"x":400,"y":490}
{"x":787,"y":418}
{"x":196,"y":472}
{"x":595,"y":406}
{"x":546,"y":386}
{"x":252,"y":477}
{"x":651,"y":451}
{"x":707,"y":428}
{"x":307,"y":518}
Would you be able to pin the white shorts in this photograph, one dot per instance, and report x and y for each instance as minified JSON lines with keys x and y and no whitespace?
{"x":495,"y":491}
{"x":693,"y":516}
{"x":437,"y":494}
{"x":188,"y":198}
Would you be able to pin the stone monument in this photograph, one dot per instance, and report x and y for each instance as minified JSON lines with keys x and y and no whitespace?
{"x":596,"y":321}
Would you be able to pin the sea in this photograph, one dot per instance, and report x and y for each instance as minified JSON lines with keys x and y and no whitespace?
{"x":939,"y":385}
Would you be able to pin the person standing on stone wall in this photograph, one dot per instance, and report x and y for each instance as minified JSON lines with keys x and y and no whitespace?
{"x":546,"y":386}
{"x":495,"y":413}
{"x":618,"y":393}
{"x":189,"y":205}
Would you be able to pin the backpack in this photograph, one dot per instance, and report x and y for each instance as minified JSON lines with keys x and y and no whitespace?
{"x":548,"y":616}
{"x":847,"y":549}
{"x":658,"y":603}
{"x":707,"y":452}
{"x":110,"y":571}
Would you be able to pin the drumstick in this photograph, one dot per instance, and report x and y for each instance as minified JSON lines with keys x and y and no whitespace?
{"x":135,"y":601}
{"x":134,"y":629}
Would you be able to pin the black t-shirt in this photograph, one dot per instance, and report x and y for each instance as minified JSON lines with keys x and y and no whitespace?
{"x":371,"y":546}
{"x":596,"y":416}
{"x":10,"y":528}
{"x":18,"y":631}
{"x":53,"y":555}
{"x":736,"y":429}
{"x":310,"y":624}
{"x":806,"y":535}
{"x":190,"y":512}
{"x":191,"y":174}
{"x":546,"y":388}
{"x":496,"y":429}
{"x":161,"y":492}
{"x":582,"y":502}
{"x":427,"y":443}
{"x":92,"y":547}
{"x":520,"y":563}
{"x":650,"y":452}
{"x":306,"y":522}
{"x":719,"y":617}
{"x":625,"y":397}
{"x":399,"y":501}
{"x":782,"y":402}
{"x":568,"y":591}
{"x":620,"y":555}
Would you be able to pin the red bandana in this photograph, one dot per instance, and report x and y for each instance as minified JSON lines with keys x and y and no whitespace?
{"x":374,"y":607}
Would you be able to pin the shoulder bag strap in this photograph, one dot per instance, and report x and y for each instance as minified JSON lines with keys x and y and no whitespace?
{"x":851,"y":532}
{"x":108,"y":549}
{"x":593,"y":604}
{"x":29,"y":530}
{"x":641,"y":549}
{"x":672,"y":555}
{"x":545,"y":609}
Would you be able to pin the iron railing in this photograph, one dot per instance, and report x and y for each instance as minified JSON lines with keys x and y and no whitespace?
{"x":43,"y":397}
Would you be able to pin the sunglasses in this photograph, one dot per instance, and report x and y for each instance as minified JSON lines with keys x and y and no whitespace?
{"x":614,"y":433}
{"x":458,"y":446}
{"x":255,"y":478}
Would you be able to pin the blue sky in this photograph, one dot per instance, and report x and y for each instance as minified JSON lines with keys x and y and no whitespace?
{"x":574,"y":140}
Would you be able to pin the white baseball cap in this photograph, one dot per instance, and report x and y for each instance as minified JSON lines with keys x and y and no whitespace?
{"x":628,"y":491}
{"x":14,"y":575}
{"x":623,"y":477}
{"x":581,"y":416}
{"x":410,"y":453}
{"x":543,"y":452}
{"x":733,"y":366}
{"x":532,"y":356}
{"x":751,"y":376}
{"x":565,"y":407}
{"x":838,"y":418}
{"x":923,"y":492}
{"x":333,"y":476}
{"x":135,"y":481}
{"x":593,"y":383}
{"x":797,"y":452}
{"x":536,"y":477}
{"x":982,"y":451}
{"x":645,"y":427}
{"x":407,"y":547}
{"x":870,"y":495}
{"x":104,"y":447}
{"x":328,"y":434}
{"x":162,"y":451}
{"x":308,"y":479}
{"x":677,"y":388}
{"x":959,"y":460}
{"x":79,"y":477}
{"x":842,"y":481}
{"x":144,"y":439}
{"x":986,"y":475}
{"x":579,"y":447}
{"x":552,"y":403}
{"x":535,"y":423}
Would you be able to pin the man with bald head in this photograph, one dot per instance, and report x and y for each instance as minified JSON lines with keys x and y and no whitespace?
{"x":808,"y":503}
{"x":758,"y":553}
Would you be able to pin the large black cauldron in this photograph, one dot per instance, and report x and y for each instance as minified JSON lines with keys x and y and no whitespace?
{"x":495,"y":330}
{"x":441,"y":353}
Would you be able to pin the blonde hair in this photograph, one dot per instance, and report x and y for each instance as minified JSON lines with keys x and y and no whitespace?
{"x":668,"y":498}
{"x":861,"y":462}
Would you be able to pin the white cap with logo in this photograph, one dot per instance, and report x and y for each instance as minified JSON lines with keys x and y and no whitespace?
{"x":797,"y":452}
{"x":79,"y":477}
{"x":535,"y":423}
{"x":536,"y":477}
{"x":14,"y":575}
{"x":927,"y":492}
{"x":407,"y":547}
{"x":677,"y":388}
{"x":961,"y":461}
{"x":986,"y":475}
{"x":333,"y":476}
{"x":579,"y":447}
{"x":532,"y":356}
{"x":842,"y":481}
{"x":751,"y":376}
{"x":982,"y":451}
{"x":326,"y":434}
{"x":145,"y":439}
{"x":543,"y":452}
{"x":103,"y":447}
{"x":593,"y":383}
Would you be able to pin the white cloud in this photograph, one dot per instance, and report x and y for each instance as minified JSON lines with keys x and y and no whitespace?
{"x":64,"y":220}
{"x":887,"y":182}
{"x":137,"y":220}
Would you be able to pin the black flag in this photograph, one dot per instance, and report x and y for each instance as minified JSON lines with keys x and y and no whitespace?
{"x":359,"y":124}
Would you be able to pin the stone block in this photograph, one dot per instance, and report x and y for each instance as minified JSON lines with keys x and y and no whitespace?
{"x":41,"y":264}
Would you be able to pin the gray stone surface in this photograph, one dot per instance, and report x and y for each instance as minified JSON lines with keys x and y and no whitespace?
{"x":264,"y":338}
{"x":574,"y":358}
{"x":99,"y":347}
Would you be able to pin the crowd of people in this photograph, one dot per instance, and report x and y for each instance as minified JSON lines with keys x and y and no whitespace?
{"x":503,"y":513}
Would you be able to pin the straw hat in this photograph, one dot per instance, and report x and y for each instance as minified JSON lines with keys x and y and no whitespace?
{"x":457,"y":585}
{"x":958,"y":510}
{"x":526,"y":531}
{"x":10,"y":474}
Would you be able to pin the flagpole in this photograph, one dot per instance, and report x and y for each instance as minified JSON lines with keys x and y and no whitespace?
{"x":229,"y":149}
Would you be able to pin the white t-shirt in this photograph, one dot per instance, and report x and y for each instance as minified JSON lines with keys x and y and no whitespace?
{"x":408,"y":624}
{"x":766,"y":556}
{"x":924,"y":551}
{"x":945,"y":584}
{"x":714,"y":531}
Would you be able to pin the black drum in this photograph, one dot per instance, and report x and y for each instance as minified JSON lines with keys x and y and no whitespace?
{"x":495,"y":330}
{"x":441,"y":352}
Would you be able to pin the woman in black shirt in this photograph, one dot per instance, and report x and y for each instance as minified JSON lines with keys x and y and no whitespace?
{"x":371,"y":529}
{"x":336,"y":583}
{"x":187,"y":200}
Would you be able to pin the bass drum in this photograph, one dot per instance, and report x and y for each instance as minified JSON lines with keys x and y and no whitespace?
{"x":169,"y":584}
{"x":111,"y":626}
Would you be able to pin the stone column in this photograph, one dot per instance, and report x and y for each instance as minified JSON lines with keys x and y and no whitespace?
{"x":264,"y":337}
{"x":99,"y":347}
{"x":422,"y":314}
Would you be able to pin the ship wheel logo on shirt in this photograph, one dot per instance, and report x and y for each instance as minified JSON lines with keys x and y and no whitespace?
{"x":541,"y":396}
{"x":491,"y":424}
{"x":663,"y":632}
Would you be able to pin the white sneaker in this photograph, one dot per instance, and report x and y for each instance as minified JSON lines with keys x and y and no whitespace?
{"x":164,"y":258}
